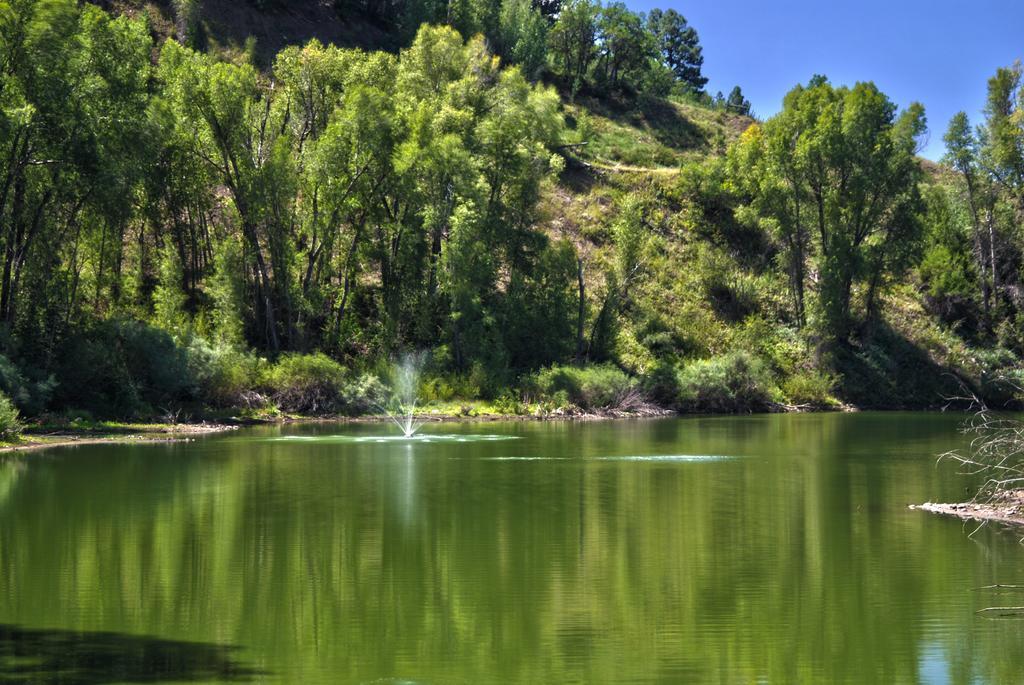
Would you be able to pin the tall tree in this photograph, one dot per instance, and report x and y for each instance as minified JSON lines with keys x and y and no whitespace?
{"x":625,"y":45}
{"x":522,"y":36}
{"x":737,"y":103}
{"x":679,"y":47}
{"x":962,"y":154}
{"x":841,"y":162}
{"x":572,"y":40}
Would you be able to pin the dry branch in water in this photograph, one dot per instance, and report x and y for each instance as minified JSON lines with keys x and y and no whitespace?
{"x":996,"y":450}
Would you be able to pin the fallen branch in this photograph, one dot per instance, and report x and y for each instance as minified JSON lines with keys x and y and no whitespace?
{"x":1003,"y":611}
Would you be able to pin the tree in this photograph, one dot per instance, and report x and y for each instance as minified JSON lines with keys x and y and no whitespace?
{"x":679,"y":47}
{"x":238,"y":131}
{"x":73,"y":134}
{"x":962,"y":154}
{"x":523,"y":36}
{"x":625,"y":45}
{"x":572,"y":40}
{"x":840,"y":163}
{"x":549,"y":9}
{"x":736,"y":103}
{"x":1002,"y":158}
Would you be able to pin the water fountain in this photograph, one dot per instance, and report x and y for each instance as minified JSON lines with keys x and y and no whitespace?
{"x":405,"y":382}
{"x":400,"y":409}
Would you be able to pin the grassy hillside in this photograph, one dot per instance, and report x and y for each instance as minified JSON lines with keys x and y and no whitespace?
{"x":712,"y":293}
{"x":709,"y":296}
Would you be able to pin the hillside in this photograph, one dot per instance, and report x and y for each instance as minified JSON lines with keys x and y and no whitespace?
{"x":225,"y":26}
{"x":595,"y":235}
{"x":622,"y":146}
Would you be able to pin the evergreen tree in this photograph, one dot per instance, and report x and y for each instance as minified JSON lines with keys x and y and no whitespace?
{"x":679,"y":47}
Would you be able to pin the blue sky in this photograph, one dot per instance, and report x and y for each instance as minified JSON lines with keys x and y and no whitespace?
{"x":937,"y":52}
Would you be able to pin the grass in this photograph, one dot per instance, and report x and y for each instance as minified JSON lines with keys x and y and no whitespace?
{"x":650,"y":133}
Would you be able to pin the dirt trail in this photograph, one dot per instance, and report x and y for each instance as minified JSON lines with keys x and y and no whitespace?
{"x":627,"y":168}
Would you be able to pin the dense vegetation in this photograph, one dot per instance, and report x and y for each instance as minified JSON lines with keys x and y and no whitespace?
{"x":554,"y":208}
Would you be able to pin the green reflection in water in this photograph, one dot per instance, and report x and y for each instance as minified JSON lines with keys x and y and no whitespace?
{"x":555,"y":557}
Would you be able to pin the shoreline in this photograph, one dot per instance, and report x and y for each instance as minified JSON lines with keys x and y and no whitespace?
{"x":1007,"y":509}
{"x":130,"y":434}
{"x":37,"y":438}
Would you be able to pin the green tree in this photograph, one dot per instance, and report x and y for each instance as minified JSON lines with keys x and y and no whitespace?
{"x":841,"y":162}
{"x":625,"y":46}
{"x":736,"y":103}
{"x":1002,"y":158}
{"x":679,"y":47}
{"x":572,"y":40}
{"x":523,"y":36}
{"x":962,"y":154}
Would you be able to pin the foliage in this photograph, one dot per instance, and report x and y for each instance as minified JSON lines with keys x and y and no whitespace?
{"x":835,"y":178}
{"x":614,"y":49}
{"x":736,"y":382}
{"x":170,"y":219}
{"x":588,"y":387}
{"x":736,"y":103}
{"x":30,"y":390}
{"x":225,"y":376}
{"x":809,"y":388}
{"x":662,"y":384}
{"x":123,"y":368}
{"x":306,"y":383}
{"x":10,"y":423}
{"x":679,"y":47}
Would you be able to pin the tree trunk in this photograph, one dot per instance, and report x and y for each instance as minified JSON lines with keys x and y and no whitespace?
{"x":581,"y":313}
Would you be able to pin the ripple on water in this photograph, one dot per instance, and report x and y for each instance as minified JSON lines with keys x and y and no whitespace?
{"x":425,"y":438}
{"x":641,"y":458}
{"x":667,"y":457}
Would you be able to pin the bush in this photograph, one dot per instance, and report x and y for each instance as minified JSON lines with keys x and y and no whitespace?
{"x":10,"y":424}
{"x":510,"y":405}
{"x":306,"y":383}
{"x":362,"y":394}
{"x":734,"y":383}
{"x":225,"y":376}
{"x":123,"y":368}
{"x":30,"y":392}
{"x":448,"y":387}
{"x":662,"y":384}
{"x":809,"y":388}
{"x":588,"y":387}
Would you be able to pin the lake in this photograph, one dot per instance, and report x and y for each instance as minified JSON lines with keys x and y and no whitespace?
{"x":760,"y":549}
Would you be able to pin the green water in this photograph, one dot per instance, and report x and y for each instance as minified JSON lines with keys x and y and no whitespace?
{"x":768,"y":549}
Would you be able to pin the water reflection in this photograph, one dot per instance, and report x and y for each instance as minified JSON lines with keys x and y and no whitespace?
{"x":793,"y":560}
{"x":83,"y":658}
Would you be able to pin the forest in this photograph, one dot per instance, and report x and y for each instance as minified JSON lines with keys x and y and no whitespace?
{"x":541,"y":197}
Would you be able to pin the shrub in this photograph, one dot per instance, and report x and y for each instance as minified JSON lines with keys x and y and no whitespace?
{"x":123,"y":368}
{"x":437,"y":389}
{"x":30,"y":392}
{"x":809,"y":388}
{"x":733,"y":296}
{"x":362,"y":394}
{"x":225,"y":376}
{"x":306,"y":383}
{"x":509,"y":404}
{"x":734,"y":382}
{"x":10,"y":424}
{"x":588,"y":387}
{"x":662,"y":384}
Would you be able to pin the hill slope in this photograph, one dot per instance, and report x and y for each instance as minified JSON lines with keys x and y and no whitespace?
{"x":711,"y":287}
